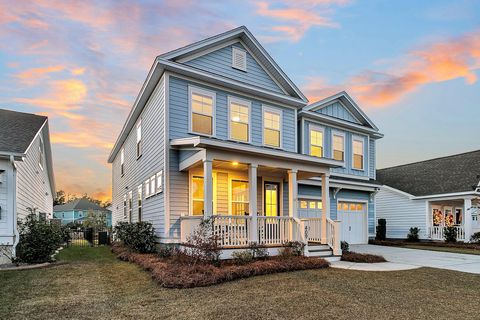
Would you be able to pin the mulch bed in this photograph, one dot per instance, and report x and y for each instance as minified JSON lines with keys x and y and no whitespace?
{"x":401,"y":243}
{"x":361,"y":257}
{"x":170,"y":273}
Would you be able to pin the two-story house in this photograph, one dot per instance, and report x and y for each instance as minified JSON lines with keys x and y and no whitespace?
{"x":27,"y":183}
{"x":218,"y":129}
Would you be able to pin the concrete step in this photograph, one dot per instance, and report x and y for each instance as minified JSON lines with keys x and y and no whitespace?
{"x":332,"y":258}
{"x":318,"y":247}
{"x":320,"y":253}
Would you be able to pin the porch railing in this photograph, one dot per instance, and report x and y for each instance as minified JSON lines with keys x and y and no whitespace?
{"x":276,"y":230}
{"x":333,"y":236}
{"x":232,"y":231}
{"x":314,"y":229}
{"x":436,"y":233}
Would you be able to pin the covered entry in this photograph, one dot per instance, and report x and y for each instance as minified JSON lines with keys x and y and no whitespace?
{"x":353,"y":215}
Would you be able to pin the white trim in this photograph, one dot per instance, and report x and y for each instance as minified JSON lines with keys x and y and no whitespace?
{"x":448,"y":196}
{"x":302,"y":142}
{"x":296,"y":131}
{"x":166,"y":155}
{"x":207,"y":51}
{"x":244,"y":103}
{"x":35,"y":137}
{"x":235,"y":51}
{"x":334,"y":132}
{"x":211,"y":94}
{"x":279,"y":111}
{"x":362,"y":140}
{"x":318,"y":129}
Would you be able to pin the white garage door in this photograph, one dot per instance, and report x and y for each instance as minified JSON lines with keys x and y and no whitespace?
{"x":354,"y":221}
{"x":309,"y":208}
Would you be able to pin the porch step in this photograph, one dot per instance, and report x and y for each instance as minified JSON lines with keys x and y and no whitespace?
{"x":332,"y":258}
{"x":319,"y":250}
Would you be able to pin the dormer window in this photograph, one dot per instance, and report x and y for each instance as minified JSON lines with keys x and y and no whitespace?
{"x":239,"y":59}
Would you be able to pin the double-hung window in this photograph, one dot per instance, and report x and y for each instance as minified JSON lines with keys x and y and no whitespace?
{"x":239,"y":111}
{"x":272,"y":120}
{"x":159,"y":181}
{"x":358,"y":156}
{"x":239,"y":197}
{"x":139,"y":138}
{"x":122,"y":161}
{"x":152,"y":184}
{"x":316,"y":142}
{"x":338,"y":140}
{"x":124,"y":207}
{"x":147,"y":188}
{"x":202,"y":105}
{"x":197,"y":195}
{"x":139,"y":202}
{"x":130,"y":206}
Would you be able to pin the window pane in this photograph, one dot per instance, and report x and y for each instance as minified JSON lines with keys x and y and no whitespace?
{"x":202,"y":103}
{"x":357,"y":161}
{"x":197,"y":209}
{"x":359,"y":207}
{"x":338,"y":155}
{"x":201,"y":123}
{"x":352,"y":207}
{"x":271,"y":120}
{"x":319,"y":205}
{"x":197,"y":188}
{"x":238,"y":113}
{"x":239,"y":208}
{"x":338,"y":148}
{"x":239,"y":191}
{"x":239,"y":131}
{"x":271,"y":137}
{"x":316,"y":137}
{"x":316,"y":151}
{"x":303,"y":204}
{"x":312,"y":204}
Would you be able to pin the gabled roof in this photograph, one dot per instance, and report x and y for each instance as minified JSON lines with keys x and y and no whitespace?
{"x":451,"y":174}
{"x":81,"y":204}
{"x":346,"y":101}
{"x":243,"y":34}
{"x":18,"y":130}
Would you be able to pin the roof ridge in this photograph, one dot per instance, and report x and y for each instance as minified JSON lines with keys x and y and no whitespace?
{"x":428,"y":160}
{"x":28,"y":113}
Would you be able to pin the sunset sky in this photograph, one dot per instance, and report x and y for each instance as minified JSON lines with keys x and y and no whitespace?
{"x":413,"y":66}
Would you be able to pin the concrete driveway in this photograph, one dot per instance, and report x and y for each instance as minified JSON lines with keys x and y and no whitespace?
{"x":423,"y":258}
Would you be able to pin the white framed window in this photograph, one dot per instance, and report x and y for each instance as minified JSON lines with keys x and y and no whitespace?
{"x":40,"y":154}
{"x":152,"y":184}
{"x":139,"y":202}
{"x":124,"y":207}
{"x":358,"y":153}
{"x":338,"y":146}
{"x":272,"y":127}
{"x":239,"y":197}
{"x":122,"y":161}
{"x":202,"y":111}
{"x":147,"y":188}
{"x":239,"y":119}
{"x":139,"y":138}
{"x":316,"y":141}
{"x":159,"y":181}
{"x":303,"y":204}
{"x":130,"y":206}
{"x":197,"y":195}
{"x":239,"y":59}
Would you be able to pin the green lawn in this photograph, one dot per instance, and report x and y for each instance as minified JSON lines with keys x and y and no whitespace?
{"x":94,"y":285}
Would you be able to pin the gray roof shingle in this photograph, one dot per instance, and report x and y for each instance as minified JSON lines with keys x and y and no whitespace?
{"x":18,"y":129}
{"x":451,"y":174}
{"x":81,"y":204}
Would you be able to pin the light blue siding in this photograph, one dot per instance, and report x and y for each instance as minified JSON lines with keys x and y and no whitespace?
{"x":179,"y":117}
{"x":327,"y":140}
{"x":178,"y":194}
{"x":220,"y":62}
{"x":372,"y":159}
{"x":338,"y":110}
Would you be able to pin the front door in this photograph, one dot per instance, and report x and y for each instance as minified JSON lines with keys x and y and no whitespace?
{"x":271,"y":192}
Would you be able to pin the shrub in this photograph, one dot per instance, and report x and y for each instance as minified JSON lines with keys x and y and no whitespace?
{"x":450,"y":234}
{"x":381,"y":229}
{"x":38,"y":240}
{"x":413,"y":234}
{"x":242,"y":257}
{"x":344,"y":246}
{"x":361,"y":257}
{"x":202,"y":244}
{"x":475,"y":237}
{"x":292,"y":248}
{"x":258,"y":252}
{"x":166,"y":251}
{"x":139,"y":236}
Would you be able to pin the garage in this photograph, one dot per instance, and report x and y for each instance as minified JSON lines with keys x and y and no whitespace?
{"x":354,"y":221}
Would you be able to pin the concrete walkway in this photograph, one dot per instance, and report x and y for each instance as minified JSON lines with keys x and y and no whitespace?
{"x":404,"y":259}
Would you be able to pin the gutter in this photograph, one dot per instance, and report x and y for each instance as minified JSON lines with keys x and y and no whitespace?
{"x":15,"y":227}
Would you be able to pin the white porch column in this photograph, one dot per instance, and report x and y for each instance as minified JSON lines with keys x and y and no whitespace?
{"x":252,"y":200}
{"x":292,"y":193}
{"x":325,"y":204}
{"x":207,"y":188}
{"x":467,"y":219}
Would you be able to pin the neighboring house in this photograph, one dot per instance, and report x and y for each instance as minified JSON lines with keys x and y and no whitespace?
{"x":26,"y":174}
{"x":431,"y":194}
{"x":79,"y":209}
{"x":219,"y":129}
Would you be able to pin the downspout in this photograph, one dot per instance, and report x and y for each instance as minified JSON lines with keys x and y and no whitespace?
{"x":15,"y":230}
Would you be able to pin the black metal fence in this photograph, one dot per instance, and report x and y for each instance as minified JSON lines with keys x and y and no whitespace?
{"x":90,"y":237}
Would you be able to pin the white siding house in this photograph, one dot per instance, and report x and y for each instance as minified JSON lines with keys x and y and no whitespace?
{"x":26,"y":174}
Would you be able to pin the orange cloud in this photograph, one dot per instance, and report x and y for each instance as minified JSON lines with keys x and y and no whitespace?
{"x":80,"y":139}
{"x":78,"y":71}
{"x":437,"y":62}
{"x":32,"y":76}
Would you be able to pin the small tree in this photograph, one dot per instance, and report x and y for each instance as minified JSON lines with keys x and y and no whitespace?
{"x":97,"y":220}
{"x":202,"y":244}
{"x":450,"y":234}
{"x":413,"y":234}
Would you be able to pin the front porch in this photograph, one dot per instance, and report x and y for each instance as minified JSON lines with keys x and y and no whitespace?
{"x":254,"y":199}
{"x":461,"y":213}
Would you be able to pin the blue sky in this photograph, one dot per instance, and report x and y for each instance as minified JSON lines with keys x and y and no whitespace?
{"x":411,"y":65}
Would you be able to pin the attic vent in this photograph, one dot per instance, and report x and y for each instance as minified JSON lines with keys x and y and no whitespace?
{"x":239,"y":59}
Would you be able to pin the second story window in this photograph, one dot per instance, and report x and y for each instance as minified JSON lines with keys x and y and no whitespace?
{"x":147,"y":188}
{"x":202,"y":104}
{"x":139,"y":203}
{"x":316,"y":142}
{"x":122,"y":161}
{"x":271,"y":127}
{"x":130,"y":206}
{"x":124,"y":207}
{"x":139,"y":138}
{"x":338,"y":141}
{"x":239,"y":119}
{"x":358,"y":153}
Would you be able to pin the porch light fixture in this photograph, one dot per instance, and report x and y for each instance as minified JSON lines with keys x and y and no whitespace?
{"x":235,"y":163}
